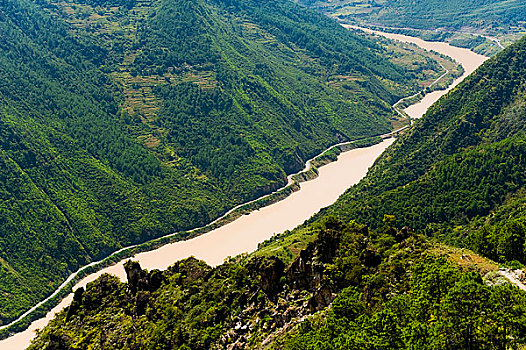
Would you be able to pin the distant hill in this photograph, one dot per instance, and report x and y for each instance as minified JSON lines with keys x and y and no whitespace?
{"x":121,"y":121}
{"x":429,"y":14}
{"x":484,"y":26}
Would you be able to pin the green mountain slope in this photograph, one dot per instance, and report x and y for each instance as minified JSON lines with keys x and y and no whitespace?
{"x":462,"y":165}
{"x":336,"y":284}
{"x":121,"y":121}
{"x":388,"y":283}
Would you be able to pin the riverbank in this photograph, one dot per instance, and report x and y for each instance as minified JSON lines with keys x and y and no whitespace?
{"x":234,"y":238}
{"x":477,"y":42}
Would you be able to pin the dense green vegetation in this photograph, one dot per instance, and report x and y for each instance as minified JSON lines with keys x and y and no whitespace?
{"x":504,"y":241}
{"x":76,"y":185}
{"x":393,"y":293}
{"x":442,"y":308}
{"x":121,"y":121}
{"x":453,"y":191}
{"x":460,"y":164}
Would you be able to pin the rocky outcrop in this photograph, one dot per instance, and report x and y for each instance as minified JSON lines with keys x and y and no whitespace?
{"x":141,"y":283}
{"x":403,"y":234}
{"x":189,"y":270}
{"x":271,"y":270}
{"x":76,"y":303}
{"x":326,"y":245}
{"x":370,"y":257}
{"x":306,"y":272}
{"x":57,"y":342}
{"x":94,"y":296}
{"x":137,"y":277}
{"x":284,"y":304}
{"x":142,"y":299}
{"x":142,"y":280}
{"x":321,"y":298}
{"x":251,"y":301}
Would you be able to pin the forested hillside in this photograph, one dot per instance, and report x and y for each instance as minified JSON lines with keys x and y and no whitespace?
{"x":337,"y":284}
{"x":461,"y":169}
{"x":121,"y":121}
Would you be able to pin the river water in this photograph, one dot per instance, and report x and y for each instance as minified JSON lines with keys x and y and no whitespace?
{"x":244,"y":234}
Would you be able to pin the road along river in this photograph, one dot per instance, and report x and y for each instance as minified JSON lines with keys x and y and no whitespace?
{"x":244,"y":234}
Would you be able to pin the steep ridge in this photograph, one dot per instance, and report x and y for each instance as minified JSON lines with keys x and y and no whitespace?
{"x":121,"y":121}
{"x":462,"y":161}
